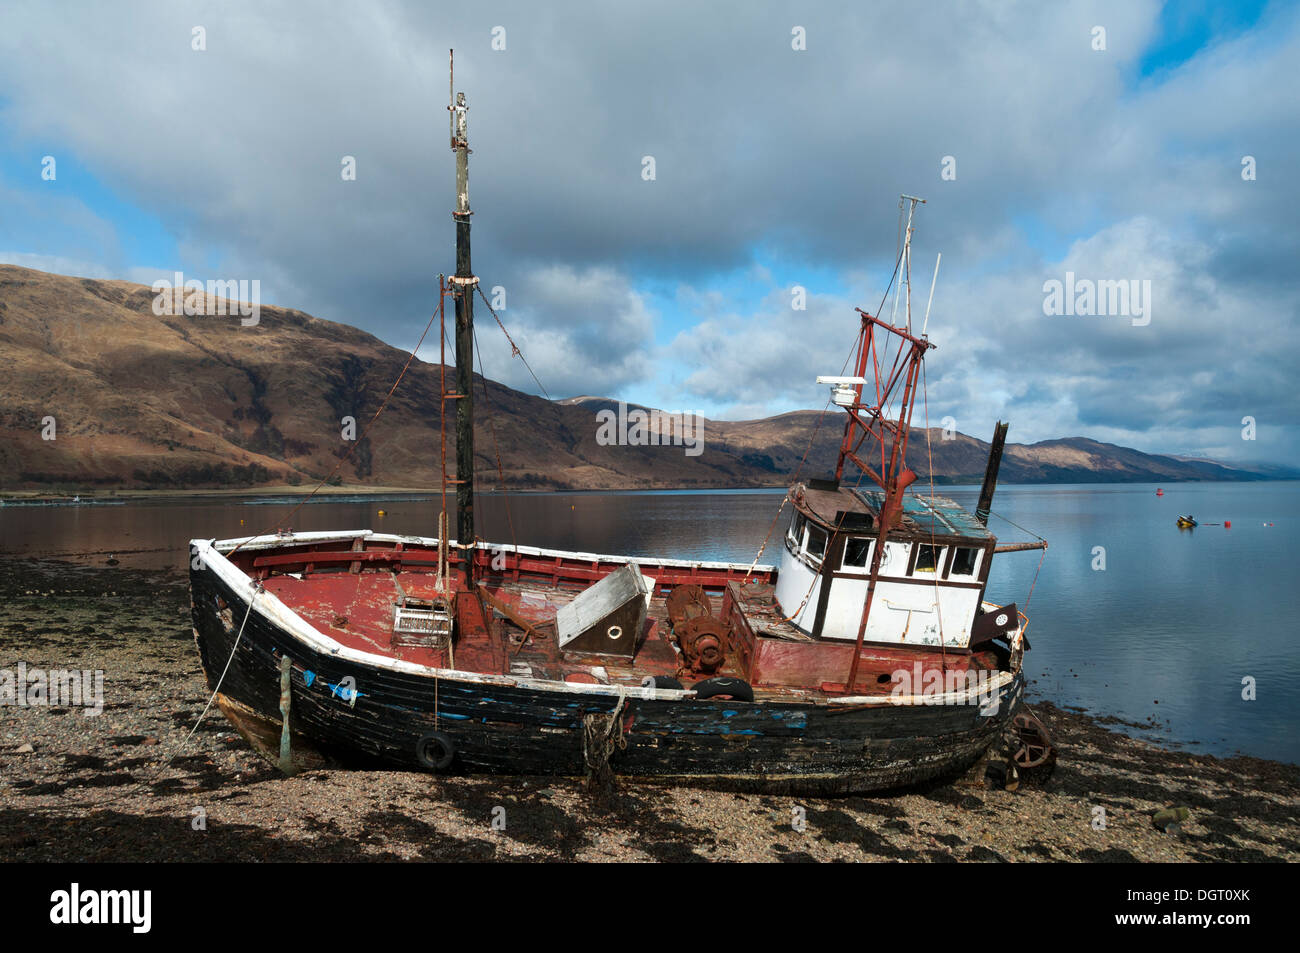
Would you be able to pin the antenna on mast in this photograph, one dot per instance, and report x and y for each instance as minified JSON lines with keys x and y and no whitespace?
{"x":907,"y":253}
{"x":926,"y":323}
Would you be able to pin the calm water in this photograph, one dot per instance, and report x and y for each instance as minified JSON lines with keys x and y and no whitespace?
{"x":1164,"y":634}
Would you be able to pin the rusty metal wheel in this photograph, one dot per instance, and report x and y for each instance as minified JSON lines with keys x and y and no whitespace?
{"x":1034,"y":749}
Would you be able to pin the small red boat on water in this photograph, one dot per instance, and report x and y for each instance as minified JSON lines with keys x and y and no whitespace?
{"x":870,"y":657}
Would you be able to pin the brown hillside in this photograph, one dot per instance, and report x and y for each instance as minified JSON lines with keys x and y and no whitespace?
{"x":141,"y":400}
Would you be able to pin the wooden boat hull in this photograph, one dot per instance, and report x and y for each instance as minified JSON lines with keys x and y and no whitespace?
{"x":514,"y":726}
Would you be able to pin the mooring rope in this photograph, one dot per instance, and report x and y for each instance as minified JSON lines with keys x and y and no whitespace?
{"x":257,"y":590}
{"x":602,"y":734}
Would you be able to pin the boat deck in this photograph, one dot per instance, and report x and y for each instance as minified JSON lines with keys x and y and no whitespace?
{"x":510,"y":630}
{"x":356,"y":610}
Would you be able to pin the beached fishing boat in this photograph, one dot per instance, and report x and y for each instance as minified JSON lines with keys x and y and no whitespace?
{"x":868,"y":658}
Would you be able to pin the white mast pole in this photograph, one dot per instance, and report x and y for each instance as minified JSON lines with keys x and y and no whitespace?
{"x":907,"y":257}
{"x":925,"y":324}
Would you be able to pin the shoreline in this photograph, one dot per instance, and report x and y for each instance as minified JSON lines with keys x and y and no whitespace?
{"x":126,"y":772}
{"x":30,"y":497}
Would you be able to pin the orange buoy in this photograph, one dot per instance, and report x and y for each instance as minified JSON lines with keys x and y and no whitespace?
{"x":1227,"y":524}
{"x":1159,"y":492}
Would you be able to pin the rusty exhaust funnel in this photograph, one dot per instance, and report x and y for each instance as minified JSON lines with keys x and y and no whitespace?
{"x":991,"y":473}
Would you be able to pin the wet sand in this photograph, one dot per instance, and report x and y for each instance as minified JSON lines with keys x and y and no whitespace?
{"x":123,"y":787}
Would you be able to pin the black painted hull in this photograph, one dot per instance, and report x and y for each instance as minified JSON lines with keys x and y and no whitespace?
{"x":775,"y":746}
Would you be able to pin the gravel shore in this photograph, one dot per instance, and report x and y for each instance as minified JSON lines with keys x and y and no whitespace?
{"x":123,"y":786}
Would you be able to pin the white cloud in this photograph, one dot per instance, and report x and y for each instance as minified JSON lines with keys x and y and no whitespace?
{"x":582,"y":333}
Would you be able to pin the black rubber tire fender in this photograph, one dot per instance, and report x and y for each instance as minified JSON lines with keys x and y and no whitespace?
{"x":737,"y":688}
{"x":435,"y":751}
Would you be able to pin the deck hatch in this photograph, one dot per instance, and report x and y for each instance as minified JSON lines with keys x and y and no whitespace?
{"x":426,"y":622}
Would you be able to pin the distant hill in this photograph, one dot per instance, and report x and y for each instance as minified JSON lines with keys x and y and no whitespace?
{"x":140,"y":400}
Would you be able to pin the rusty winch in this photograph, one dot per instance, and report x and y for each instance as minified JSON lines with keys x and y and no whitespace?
{"x":701,"y":637}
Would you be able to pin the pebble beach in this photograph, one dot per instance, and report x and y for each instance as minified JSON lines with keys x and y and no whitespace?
{"x":131,"y":784}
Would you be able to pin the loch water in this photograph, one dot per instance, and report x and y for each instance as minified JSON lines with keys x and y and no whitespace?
{"x":1192,"y":637}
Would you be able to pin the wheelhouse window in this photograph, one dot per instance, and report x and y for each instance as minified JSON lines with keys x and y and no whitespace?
{"x":964,"y":561}
{"x":857,"y":553}
{"x":795,"y":536}
{"x":928,"y":558}
{"x":816,"y":542}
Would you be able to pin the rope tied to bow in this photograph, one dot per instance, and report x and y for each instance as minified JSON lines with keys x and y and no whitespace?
{"x":602,"y":735}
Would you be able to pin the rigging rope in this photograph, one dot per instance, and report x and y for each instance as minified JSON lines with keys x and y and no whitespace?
{"x":1033,"y":582}
{"x":934,"y":551}
{"x":492,"y":427}
{"x":825,"y":555}
{"x":1018,"y":526}
{"x":793,"y":479}
{"x":813,"y":438}
{"x":513,"y":346}
{"x":355,"y":444}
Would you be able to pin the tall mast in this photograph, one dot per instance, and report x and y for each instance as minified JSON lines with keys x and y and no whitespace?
{"x":463,"y":286}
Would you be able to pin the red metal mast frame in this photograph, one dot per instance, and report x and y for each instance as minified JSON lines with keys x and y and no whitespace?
{"x":872,"y":419}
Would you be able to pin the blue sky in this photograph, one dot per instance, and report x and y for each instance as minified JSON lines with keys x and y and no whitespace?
{"x":776,"y":167}
{"x":1185,"y":29}
{"x":139,"y":234}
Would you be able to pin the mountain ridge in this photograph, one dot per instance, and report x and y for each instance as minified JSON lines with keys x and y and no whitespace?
{"x":99,"y":391}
